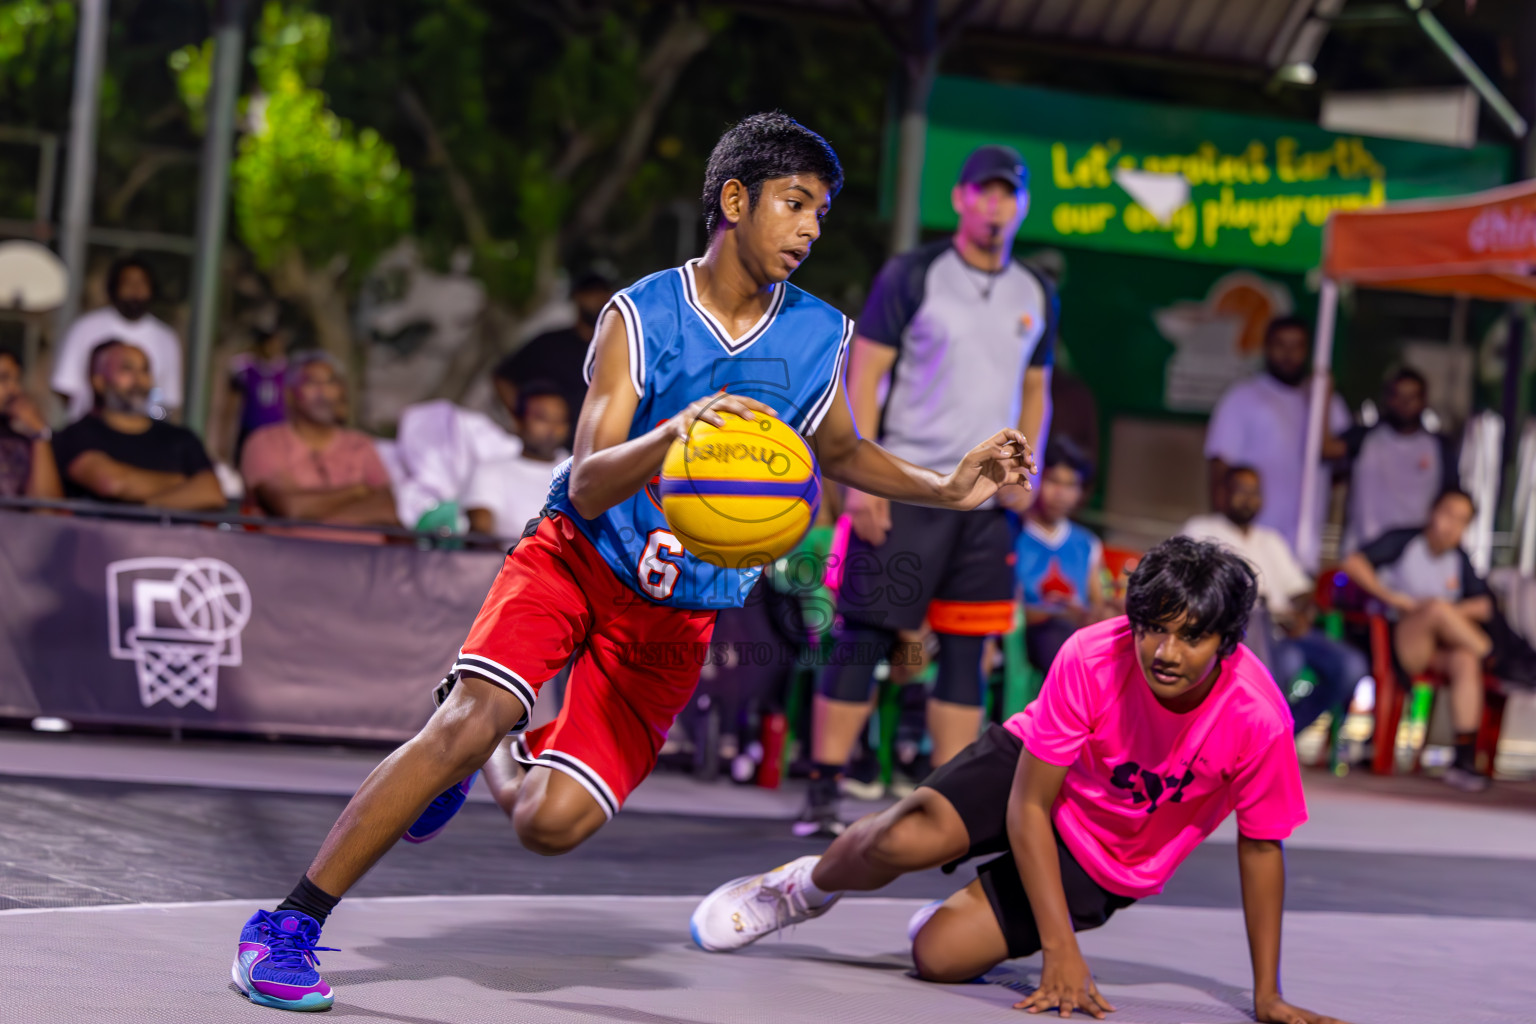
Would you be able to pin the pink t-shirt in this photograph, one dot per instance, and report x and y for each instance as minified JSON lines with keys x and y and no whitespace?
{"x":1145,"y":785}
{"x":276,"y":454}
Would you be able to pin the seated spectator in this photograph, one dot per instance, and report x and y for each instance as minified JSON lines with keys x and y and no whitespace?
{"x":1059,"y":563}
{"x":1286,"y":590}
{"x":1399,"y":467}
{"x":504,"y":494}
{"x":118,"y":453}
{"x":131,"y":291}
{"x":27,"y":469}
{"x":559,"y":357}
{"x":1440,"y":606}
{"x":311,"y":466}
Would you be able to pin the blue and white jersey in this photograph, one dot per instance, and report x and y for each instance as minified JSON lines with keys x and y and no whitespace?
{"x":791,"y":360}
{"x":1055,"y":566}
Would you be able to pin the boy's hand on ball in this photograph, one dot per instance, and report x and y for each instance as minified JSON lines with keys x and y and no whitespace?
{"x":1003,"y":459}
{"x":709,"y":408}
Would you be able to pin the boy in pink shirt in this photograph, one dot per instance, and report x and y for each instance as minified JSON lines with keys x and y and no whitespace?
{"x":1150,"y":729}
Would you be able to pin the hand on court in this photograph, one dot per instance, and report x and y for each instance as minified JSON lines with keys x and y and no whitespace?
{"x":1275,"y":1010}
{"x":1066,"y":984}
{"x":709,"y":408}
{"x":871,"y":516}
{"x":1002,"y":459}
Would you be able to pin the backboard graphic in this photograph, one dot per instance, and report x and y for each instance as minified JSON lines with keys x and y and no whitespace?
{"x":177,"y":620}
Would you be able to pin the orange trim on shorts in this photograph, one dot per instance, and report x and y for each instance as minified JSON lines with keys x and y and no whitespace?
{"x":971,"y":618}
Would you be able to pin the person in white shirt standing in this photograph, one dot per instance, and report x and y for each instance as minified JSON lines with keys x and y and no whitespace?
{"x":131,"y":289}
{"x":1262,"y":422}
{"x":1286,"y":591}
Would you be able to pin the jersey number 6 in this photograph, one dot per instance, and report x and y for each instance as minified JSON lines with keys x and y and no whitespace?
{"x":658,"y":573}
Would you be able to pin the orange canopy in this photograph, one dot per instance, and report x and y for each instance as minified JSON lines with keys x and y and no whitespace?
{"x":1482,"y":244}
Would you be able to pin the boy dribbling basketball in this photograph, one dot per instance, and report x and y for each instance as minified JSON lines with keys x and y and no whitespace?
{"x":601,"y":570}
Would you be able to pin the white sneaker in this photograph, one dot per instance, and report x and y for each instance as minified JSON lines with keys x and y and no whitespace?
{"x":744,"y":910}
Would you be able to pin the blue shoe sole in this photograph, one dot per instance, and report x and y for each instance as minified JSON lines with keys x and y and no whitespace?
{"x":314,"y":1002}
{"x":410,"y":835}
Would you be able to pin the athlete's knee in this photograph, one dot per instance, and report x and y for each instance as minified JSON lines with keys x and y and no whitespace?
{"x":937,"y":956}
{"x":959,"y":679}
{"x":469,"y":724}
{"x":555,"y":819}
{"x":850,"y":677}
{"x":549,"y":837}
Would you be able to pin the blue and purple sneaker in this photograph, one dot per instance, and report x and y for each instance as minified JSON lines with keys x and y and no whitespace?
{"x":440,"y":811}
{"x":277,"y":966}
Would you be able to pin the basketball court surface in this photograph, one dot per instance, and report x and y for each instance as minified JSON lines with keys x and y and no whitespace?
{"x":126,"y":868}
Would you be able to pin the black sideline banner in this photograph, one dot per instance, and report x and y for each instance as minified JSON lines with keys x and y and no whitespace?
{"x":192,"y":626}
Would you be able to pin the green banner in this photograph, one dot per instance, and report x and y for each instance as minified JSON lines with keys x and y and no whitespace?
{"x":1259,"y":190}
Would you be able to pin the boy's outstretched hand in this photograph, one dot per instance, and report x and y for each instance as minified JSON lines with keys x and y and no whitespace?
{"x":1066,"y":984}
{"x":1274,"y":1010}
{"x":1004,"y":458}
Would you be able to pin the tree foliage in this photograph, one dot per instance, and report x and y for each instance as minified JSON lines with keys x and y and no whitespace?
{"x":31,"y":31}
{"x":306,"y":182}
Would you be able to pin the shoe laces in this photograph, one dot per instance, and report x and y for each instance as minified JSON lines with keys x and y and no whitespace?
{"x":788,"y":908}
{"x":295,"y":950}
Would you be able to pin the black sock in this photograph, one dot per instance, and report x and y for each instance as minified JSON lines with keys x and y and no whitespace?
{"x":1466,"y":751}
{"x":309,"y":898}
{"x":824,"y":782}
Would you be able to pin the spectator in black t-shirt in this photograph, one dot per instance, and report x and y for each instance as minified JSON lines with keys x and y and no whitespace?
{"x":117,"y":453}
{"x":558,"y":356}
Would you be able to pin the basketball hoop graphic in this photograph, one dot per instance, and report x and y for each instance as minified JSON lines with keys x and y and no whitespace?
{"x":177,"y":620}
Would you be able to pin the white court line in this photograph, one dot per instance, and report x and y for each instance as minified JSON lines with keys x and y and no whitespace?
{"x":875,"y":901}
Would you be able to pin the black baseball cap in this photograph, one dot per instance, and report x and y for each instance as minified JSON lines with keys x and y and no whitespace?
{"x":995,"y":163}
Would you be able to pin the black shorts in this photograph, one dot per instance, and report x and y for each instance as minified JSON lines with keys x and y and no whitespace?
{"x":960,"y":562}
{"x":977,"y":782}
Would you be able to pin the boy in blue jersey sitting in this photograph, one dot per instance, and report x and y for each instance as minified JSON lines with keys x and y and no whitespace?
{"x":600,"y":574}
{"x":1059,"y":564}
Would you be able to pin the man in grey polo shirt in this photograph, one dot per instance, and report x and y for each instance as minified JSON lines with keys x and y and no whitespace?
{"x":1428,"y":584}
{"x":1399,"y":466}
{"x":955,"y":334}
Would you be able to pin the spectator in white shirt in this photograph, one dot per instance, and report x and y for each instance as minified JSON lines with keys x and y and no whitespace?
{"x":131,"y":289}
{"x":1262,"y":422}
{"x":505,"y":494}
{"x":1399,"y":467}
{"x":1286,"y":590}
{"x":434,"y":457}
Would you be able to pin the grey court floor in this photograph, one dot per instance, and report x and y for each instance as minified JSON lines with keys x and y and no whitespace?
{"x":126,"y":869}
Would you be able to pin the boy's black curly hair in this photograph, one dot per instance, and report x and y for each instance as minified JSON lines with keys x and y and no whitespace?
{"x":1205,"y":582}
{"x":761,"y":147}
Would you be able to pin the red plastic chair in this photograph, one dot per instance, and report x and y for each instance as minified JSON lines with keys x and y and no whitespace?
{"x":1391,"y":698}
{"x":1335,"y":593}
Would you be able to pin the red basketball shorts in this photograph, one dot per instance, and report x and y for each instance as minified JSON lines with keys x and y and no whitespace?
{"x":636,"y":667}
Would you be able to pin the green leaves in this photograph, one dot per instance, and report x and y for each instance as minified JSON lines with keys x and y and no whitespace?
{"x":191,"y":67}
{"x":33,"y":35}
{"x":305,"y":181}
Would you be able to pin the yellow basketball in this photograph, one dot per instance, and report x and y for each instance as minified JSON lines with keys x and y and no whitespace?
{"x":742,"y":494}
